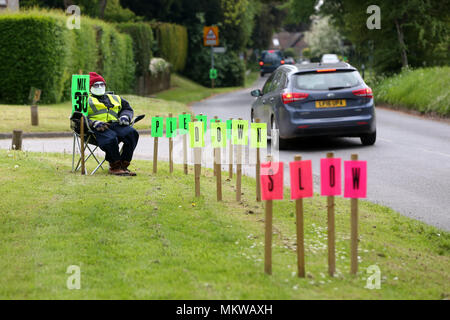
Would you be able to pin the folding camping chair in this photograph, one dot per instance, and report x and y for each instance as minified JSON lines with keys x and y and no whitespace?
{"x":90,"y":143}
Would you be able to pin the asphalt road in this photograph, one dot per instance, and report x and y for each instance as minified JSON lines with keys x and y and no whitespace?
{"x":408,"y":167}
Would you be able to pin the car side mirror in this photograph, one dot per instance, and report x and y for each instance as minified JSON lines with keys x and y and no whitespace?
{"x":256,"y":93}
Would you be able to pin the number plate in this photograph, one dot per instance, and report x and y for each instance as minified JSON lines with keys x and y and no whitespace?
{"x":267,"y":64}
{"x":331,"y":103}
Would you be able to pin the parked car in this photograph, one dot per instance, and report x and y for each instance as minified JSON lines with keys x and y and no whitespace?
{"x":270,"y":60}
{"x":289,"y":60}
{"x":329,"y":58}
{"x":316,"y":100}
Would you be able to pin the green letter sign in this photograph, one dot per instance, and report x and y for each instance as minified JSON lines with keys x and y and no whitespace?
{"x":80,"y":94}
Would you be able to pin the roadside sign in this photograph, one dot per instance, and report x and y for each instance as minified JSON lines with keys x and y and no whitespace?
{"x":219,"y":50}
{"x":355,"y":179}
{"x":213,"y":73}
{"x":157,"y":128}
{"x":184,"y":120}
{"x":301,"y":179}
{"x":211,"y":36}
{"x":171,"y":127}
{"x":218,"y":135}
{"x":272,"y":180}
{"x":196,"y":134}
{"x":258,"y":135}
{"x":80,"y":93}
{"x":330,"y":176}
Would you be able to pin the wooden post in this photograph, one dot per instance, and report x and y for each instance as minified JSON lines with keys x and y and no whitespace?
{"x":354,"y":230}
{"x":185,"y":162}
{"x":197,"y":168}
{"x":268,"y":233}
{"x":170,"y":151}
{"x":17,"y":140}
{"x":331,"y":227}
{"x":155,"y":154}
{"x":218,"y":170}
{"x":258,"y":171}
{"x":214,"y":151}
{"x":34,"y":115}
{"x":83,"y":168}
{"x":238,"y":171}
{"x":230,"y":165}
{"x":300,"y":233}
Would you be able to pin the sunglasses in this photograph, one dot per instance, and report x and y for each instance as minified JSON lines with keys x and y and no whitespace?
{"x":98,"y":84}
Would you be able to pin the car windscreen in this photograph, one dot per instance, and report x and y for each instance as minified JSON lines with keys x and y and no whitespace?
{"x":276,"y":55}
{"x":327,"y":80}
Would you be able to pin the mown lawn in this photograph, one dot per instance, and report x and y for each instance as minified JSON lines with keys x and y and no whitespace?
{"x":55,"y":117}
{"x":425,"y":90}
{"x":149,"y":238}
{"x":187,"y":91}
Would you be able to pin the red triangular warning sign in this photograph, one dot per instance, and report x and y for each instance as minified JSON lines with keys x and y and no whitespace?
{"x":211,"y":35}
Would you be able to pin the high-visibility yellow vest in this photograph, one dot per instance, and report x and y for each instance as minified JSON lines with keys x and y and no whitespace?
{"x":98,"y":111}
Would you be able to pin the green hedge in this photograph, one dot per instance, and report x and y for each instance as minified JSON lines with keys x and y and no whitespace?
{"x":142,"y":36}
{"x":38,"y":50}
{"x":230,"y":68}
{"x":172,"y":44}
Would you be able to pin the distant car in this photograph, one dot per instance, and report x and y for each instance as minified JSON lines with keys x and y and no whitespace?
{"x":329,"y":58}
{"x":270,"y":61}
{"x":289,"y":60}
{"x":316,"y":100}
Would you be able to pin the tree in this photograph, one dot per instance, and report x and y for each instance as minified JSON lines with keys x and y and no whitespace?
{"x":324,"y":38}
{"x":413,"y":32}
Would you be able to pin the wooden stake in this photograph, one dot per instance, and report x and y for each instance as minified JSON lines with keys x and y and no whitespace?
{"x":218,"y":170}
{"x":331,"y":227}
{"x":16,"y":140}
{"x":185,"y":162}
{"x":230,"y":165}
{"x":238,"y":171}
{"x":155,"y":154}
{"x":214,"y":150}
{"x":268,"y":234}
{"x":354,"y":230}
{"x":34,"y":115}
{"x":268,"y":238}
{"x":197,"y":168}
{"x":300,"y":234}
{"x":258,"y":171}
{"x":170,"y":151}
{"x":83,"y":168}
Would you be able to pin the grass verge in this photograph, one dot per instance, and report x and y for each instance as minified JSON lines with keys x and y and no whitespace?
{"x":425,"y":90}
{"x":186,"y":91}
{"x":55,"y":117}
{"x":149,"y":238}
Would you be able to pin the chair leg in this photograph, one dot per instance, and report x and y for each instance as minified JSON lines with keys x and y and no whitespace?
{"x":98,"y":167}
{"x":73,"y":151}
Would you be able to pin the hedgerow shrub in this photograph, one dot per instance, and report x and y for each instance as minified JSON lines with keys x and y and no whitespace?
{"x":172,"y":44}
{"x":142,"y":36}
{"x":38,"y":50}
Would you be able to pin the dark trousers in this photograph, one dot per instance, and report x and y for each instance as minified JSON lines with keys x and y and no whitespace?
{"x":109,"y":140}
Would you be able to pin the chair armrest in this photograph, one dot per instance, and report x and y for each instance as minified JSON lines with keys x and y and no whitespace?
{"x":137,"y":119}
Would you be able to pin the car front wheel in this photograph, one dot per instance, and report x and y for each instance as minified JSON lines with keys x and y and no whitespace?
{"x":369,"y":139}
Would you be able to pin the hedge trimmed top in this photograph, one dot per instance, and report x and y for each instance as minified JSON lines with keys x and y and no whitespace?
{"x":38,"y":50}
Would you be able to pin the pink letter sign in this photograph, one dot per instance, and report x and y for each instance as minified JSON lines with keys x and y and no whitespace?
{"x":272,"y":180}
{"x":355,"y":179}
{"x":330,"y":176}
{"x":301,"y":179}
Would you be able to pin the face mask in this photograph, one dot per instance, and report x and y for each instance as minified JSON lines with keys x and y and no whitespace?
{"x":99,"y":91}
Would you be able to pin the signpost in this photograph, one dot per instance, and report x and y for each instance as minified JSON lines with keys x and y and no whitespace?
{"x":171,"y":131}
{"x":35,"y":96}
{"x":301,"y":187}
{"x":156,"y":132}
{"x":211,"y":39}
{"x":230,"y":146}
{"x":330,"y":172}
{"x":218,"y":141}
{"x":258,"y":139}
{"x":184,"y":120}
{"x":355,"y":187}
{"x":240,"y":138}
{"x":80,"y":100}
{"x":272,"y":189}
{"x":197,"y":142}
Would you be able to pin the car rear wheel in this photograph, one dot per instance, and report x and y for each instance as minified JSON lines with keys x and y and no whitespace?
{"x":369,"y":139}
{"x":262,"y":74}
